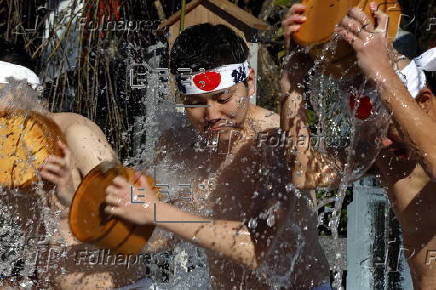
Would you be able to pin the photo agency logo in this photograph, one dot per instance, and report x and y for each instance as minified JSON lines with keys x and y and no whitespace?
{"x":40,"y":252}
{"x":171,"y":192}
{"x":46,"y":255}
{"x":393,"y":257}
{"x":390,"y":259}
{"x":107,"y":257}
{"x":283,"y":139}
{"x":31,"y":30}
{"x":407,"y":20}
{"x":123,"y":25}
{"x":431,"y":257}
{"x":103,"y":25}
{"x":143,"y":76}
{"x":431,"y":24}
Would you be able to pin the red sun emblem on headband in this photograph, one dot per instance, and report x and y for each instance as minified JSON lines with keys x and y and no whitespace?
{"x":207,"y":81}
{"x":364,"y":110}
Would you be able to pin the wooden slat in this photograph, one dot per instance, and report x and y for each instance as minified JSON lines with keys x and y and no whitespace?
{"x":240,"y":14}
{"x":176,"y":16}
{"x":228,"y":7}
{"x":197,"y":16}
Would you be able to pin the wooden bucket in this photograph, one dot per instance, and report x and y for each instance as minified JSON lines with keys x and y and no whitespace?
{"x":324,"y":15}
{"x":88,"y":220}
{"x":26,"y":140}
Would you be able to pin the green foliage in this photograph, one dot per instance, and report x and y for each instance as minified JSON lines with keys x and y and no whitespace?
{"x":281,"y":54}
{"x":286,"y":3}
{"x":325,"y":195}
{"x":311,"y":117}
{"x":278,"y":33}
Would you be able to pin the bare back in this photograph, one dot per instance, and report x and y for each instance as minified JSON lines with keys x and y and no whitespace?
{"x":413,"y":196}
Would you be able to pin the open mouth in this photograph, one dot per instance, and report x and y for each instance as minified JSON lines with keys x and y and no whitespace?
{"x":219,"y":126}
{"x":395,"y":147}
{"x":398,"y":149}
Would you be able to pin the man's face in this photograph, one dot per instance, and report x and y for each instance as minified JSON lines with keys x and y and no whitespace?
{"x":226,"y":110}
{"x":395,"y":140}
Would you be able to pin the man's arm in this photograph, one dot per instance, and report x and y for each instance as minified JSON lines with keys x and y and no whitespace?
{"x":311,"y":169}
{"x":372,"y":49}
{"x":417,"y":127}
{"x":231,"y":238}
{"x":87,"y":147}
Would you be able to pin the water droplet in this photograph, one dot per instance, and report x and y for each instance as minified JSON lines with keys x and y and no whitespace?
{"x":270,"y":220}
{"x":252,"y":223}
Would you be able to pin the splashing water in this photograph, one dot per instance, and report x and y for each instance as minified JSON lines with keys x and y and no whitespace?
{"x":339,"y":134}
{"x":188,"y":266}
{"x":352,"y":121}
{"x":27,"y":222}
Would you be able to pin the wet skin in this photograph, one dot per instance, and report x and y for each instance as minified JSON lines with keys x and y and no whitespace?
{"x":226,"y":110}
{"x":408,"y":164}
{"x":238,"y":175}
{"x":87,"y":147}
{"x":413,"y":196}
{"x":237,"y":180}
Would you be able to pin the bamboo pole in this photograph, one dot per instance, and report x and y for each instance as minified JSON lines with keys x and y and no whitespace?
{"x":160,"y":10}
{"x":182,"y":15}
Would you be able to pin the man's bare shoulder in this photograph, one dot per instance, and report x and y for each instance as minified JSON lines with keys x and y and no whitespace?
{"x":67,"y":121}
{"x":77,"y":127}
{"x":266,"y":119}
{"x":85,"y":139}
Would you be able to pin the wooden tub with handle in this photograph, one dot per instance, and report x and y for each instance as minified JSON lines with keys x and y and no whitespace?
{"x":88,"y":221}
{"x":26,"y":139}
{"x":324,"y":15}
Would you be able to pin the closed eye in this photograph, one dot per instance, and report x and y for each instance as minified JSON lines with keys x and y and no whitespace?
{"x":223,"y":101}
{"x":194,"y":101}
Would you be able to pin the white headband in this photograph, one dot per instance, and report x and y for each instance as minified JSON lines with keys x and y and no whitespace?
{"x":413,"y":75}
{"x":18,"y":72}
{"x":216,"y":79}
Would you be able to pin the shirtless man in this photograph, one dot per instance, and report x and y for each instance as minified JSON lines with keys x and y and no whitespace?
{"x":250,"y":217}
{"x":81,"y":133}
{"x":87,"y":147}
{"x":408,"y":164}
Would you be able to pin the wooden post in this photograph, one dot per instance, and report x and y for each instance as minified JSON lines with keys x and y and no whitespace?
{"x":375,"y":258}
{"x":252,"y":60}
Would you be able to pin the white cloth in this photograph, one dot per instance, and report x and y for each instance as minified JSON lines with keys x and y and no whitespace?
{"x":216,"y":79}
{"x":18,"y":72}
{"x":413,"y":75}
